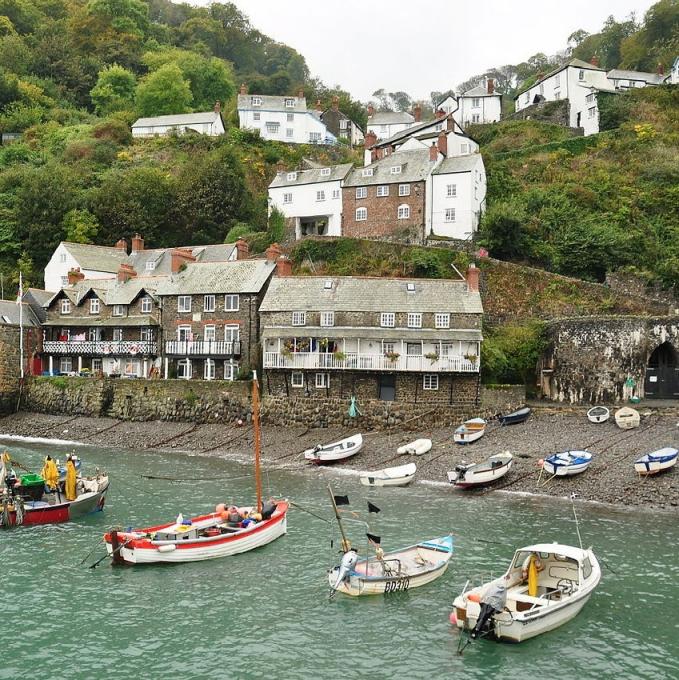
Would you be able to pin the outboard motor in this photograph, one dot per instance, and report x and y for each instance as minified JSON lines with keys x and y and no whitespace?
{"x":347,"y":565}
{"x":492,"y":602}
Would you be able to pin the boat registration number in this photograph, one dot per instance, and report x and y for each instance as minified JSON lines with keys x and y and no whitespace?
{"x":397,"y":585}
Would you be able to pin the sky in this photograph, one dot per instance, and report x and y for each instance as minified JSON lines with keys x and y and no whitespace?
{"x":390,"y":44}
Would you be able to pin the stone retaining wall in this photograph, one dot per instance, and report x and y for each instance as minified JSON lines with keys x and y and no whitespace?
{"x":9,"y":368}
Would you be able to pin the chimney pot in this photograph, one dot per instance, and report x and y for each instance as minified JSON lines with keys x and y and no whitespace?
{"x":300,"y":93}
{"x":273,"y":252}
{"x":75,"y":275}
{"x":125,"y":272}
{"x":491,"y":86}
{"x":473,"y":274}
{"x":283,"y":266}
{"x":440,"y":113}
{"x":179,"y":257}
{"x":371,"y":110}
{"x":137,"y":243}
{"x":433,"y":152}
{"x":594,"y":60}
{"x":370,"y":139}
{"x":121,"y":244}
{"x":417,"y":113}
{"x":243,"y":88}
{"x":218,"y":106}
{"x":242,"y":249}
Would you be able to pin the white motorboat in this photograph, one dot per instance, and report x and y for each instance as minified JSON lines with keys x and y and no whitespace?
{"x":627,"y":418}
{"x":658,"y":461}
{"x":393,"y":476}
{"x":470,"y":431}
{"x":415,"y":448}
{"x":598,"y":414}
{"x":477,"y":474}
{"x":331,"y":453}
{"x":545,"y":586}
{"x":567,"y":463}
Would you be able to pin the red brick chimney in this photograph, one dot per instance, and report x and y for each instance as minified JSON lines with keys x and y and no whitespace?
{"x":179,"y":257}
{"x":371,"y":110}
{"x":450,"y":123}
{"x":661,"y":69}
{"x":273,"y":252}
{"x":217,"y":107}
{"x":490,"y":86}
{"x":300,"y":93}
{"x":319,"y":106}
{"x":370,"y":139}
{"x":125,"y":272}
{"x":594,"y":60}
{"x":417,"y":113}
{"x":442,"y":143}
{"x":283,"y":266}
{"x":440,"y":113}
{"x":335,"y":103}
{"x":433,"y":152}
{"x":473,"y":278}
{"x":121,"y":244}
{"x":75,"y":275}
{"x":242,"y":249}
{"x":243,"y":88}
{"x":137,"y":243}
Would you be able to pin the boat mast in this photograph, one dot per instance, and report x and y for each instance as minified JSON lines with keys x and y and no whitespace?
{"x":257,"y":438}
{"x":345,"y":541}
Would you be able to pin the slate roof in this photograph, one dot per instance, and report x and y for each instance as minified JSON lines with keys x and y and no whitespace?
{"x":390,"y":118}
{"x":311,"y":176}
{"x":415,"y":167}
{"x":10,"y":313}
{"x":369,"y":294}
{"x":177,"y":119}
{"x":402,"y":135}
{"x":273,"y":103}
{"x":109,"y":291}
{"x":240,"y":276}
{"x":457,"y":164}
{"x":621,"y":74}
{"x":98,"y":258}
{"x":480,"y":91}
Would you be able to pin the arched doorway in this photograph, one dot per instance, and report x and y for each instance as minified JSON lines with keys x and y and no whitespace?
{"x":662,"y":373}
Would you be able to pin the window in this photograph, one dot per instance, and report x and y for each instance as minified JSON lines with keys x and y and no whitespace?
{"x":388,"y":347}
{"x":314,"y":137}
{"x":581,"y":75}
{"x":184,"y":369}
{"x":344,"y":125}
{"x":589,"y":98}
{"x":94,"y":306}
{"x":527,"y":97}
{"x":336,"y":193}
{"x":65,"y":365}
{"x":289,"y":132}
{"x":320,"y":195}
{"x":64,"y":281}
{"x":65,"y":306}
{"x":322,"y":380}
{"x":403,"y":212}
{"x":117,"y":335}
{"x":451,"y":190}
{"x":476,"y":117}
{"x":62,"y":257}
{"x":94,"y":334}
{"x":297,"y":379}
{"x":289,"y":103}
{"x":232,"y":332}
{"x":256,"y":115}
{"x":387,"y":319}
{"x":146,"y":305}
{"x":150,"y":265}
{"x":209,"y":369}
{"x":210,"y":333}
{"x":272,"y":128}
{"x":325,"y":172}
{"x":361,"y":192}
{"x":327,"y":319}
{"x":184,"y":303}
{"x":327,"y":284}
{"x":591,"y":112}
{"x":287,"y":198}
{"x":208,"y":303}
{"x":476,"y":102}
{"x":383,"y":190}
{"x":448,"y":349}
{"x":184,"y":333}
{"x":367,"y":172}
{"x":255,"y":101}
{"x":430,"y":381}
{"x":118,"y":310}
{"x":96,"y":365}
{"x":442,"y":320}
{"x":395,"y":169}
{"x":299,"y":318}
{"x":439,"y":127}
{"x":557,"y":80}
{"x":450,"y":215}
{"x":291,"y":176}
{"x":146,"y":334}
{"x":410,"y":287}
{"x":230,"y":370}
{"x":361,"y":214}
{"x":231,"y":303}
{"x":414,"y":320}
{"x":404,"y":189}
{"x":557,"y":95}
{"x":464,"y":149}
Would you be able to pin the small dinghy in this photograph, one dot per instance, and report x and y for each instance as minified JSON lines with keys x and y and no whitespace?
{"x":598,"y":414}
{"x":470,"y":431}
{"x":416,"y":448}
{"x":393,"y":476}
{"x":515,"y":417}
{"x":653,"y":463}
{"x":627,"y":418}
{"x":477,"y":474}
{"x":567,"y":463}
{"x":331,"y":453}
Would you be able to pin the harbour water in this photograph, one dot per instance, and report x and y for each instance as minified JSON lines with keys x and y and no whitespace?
{"x":267,"y":613}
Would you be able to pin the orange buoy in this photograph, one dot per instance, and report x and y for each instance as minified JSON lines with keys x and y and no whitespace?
{"x":474,"y":597}
{"x":541,"y":462}
{"x":220,"y":508}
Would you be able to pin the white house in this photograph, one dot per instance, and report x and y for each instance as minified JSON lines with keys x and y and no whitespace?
{"x":282,"y":119}
{"x":672,"y":78}
{"x":458,"y":196}
{"x":208,"y":123}
{"x":481,"y":104}
{"x":311,"y":199}
{"x":385,"y":124}
{"x":626,"y":80}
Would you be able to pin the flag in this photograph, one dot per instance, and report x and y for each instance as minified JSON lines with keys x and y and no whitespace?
{"x":372,"y":508}
{"x":375,"y":540}
{"x":341,"y":500}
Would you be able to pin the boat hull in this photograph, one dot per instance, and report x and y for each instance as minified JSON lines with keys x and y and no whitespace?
{"x":565,"y":470}
{"x":654,"y":467}
{"x":334,"y":453}
{"x":598,"y":414}
{"x":479,"y":478}
{"x":627,"y":418}
{"x":416,"y":448}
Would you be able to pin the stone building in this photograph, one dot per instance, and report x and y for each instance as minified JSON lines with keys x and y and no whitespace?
{"x":415,"y":341}
{"x":340,"y":125}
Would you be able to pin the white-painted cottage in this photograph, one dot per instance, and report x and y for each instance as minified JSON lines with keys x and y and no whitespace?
{"x":672,"y":78}
{"x":208,"y":123}
{"x":626,"y":80}
{"x":311,"y":199}
{"x":481,"y":104}
{"x":282,"y":119}
{"x":385,"y":124}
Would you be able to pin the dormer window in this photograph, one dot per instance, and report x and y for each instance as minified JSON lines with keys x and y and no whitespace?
{"x":367,"y":172}
{"x":256,"y":101}
{"x":94,"y":306}
{"x":150,"y":266}
{"x":292,"y":176}
{"x":410,"y":287}
{"x":325,"y":172}
{"x":65,"y":306}
{"x":289,"y":103}
{"x":395,"y":169}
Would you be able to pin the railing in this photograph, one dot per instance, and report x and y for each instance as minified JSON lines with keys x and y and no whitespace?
{"x":202,"y":347}
{"x":101,"y":347}
{"x":370,"y":362}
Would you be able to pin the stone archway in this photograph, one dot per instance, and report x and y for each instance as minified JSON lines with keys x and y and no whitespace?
{"x":662,"y":373}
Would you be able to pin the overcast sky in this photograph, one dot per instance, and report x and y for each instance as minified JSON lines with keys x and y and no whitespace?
{"x":419,"y":47}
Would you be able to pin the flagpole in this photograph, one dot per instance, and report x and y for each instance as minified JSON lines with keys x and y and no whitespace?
{"x":21,"y":324}
{"x":257,"y":439}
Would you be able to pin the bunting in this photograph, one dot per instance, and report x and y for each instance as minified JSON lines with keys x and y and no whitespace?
{"x":372,"y":508}
{"x":341,"y":500}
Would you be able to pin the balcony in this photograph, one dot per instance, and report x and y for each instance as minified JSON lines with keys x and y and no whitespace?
{"x":88,"y":348}
{"x":207,"y":348}
{"x":370,"y":362}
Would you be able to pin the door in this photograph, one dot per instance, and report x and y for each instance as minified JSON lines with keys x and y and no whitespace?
{"x":387,"y":387}
{"x":662,"y":374}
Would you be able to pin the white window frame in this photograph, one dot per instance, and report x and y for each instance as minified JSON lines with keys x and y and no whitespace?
{"x":320,"y":196}
{"x":361,"y":214}
{"x":430,"y":381}
{"x":289,"y":117}
{"x":336,"y":193}
{"x":118,"y":310}
{"x":231,"y":302}
{"x":97,"y":365}
{"x":210,"y":332}
{"x":66,"y":306}
{"x":414,"y":320}
{"x":581,"y":74}
{"x":464,"y":149}
{"x":322,"y":381}
{"x":299,"y":318}
{"x":451,"y":190}
{"x":95,"y":305}
{"x":297,"y":379}
{"x":442,"y":320}
{"x":395,"y":169}
{"x":150,"y":265}
{"x":382,"y":190}
{"x":209,"y":303}
{"x":272,"y":127}
{"x":289,"y":132}
{"x":184,"y":369}
{"x":230,"y":371}
{"x":256,"y":115}
{"x":557,"y":80}
{"x":117,"y":335}
{"x":403,"y":212}
{"x":186,"y":331}
{"x":289,"y":103}
{"x":361,"y":192}
{"x":146,"y":305}
{"x":182,"y":307}
{"x":367,"y":172}
{"x":66,"y":365}
{"x":62,"y":257}
{"x":476,"y":102}
{"x":232,"y":332}
{"x":314,"y":136}
{"x":325,"y":172}
{"x":146,"y":334}
{"x":291,"y":176}
{"x":476,"y":117}
{"x":450,"y":215}
{"x":255,"y":101}
{"x":591,"y":112}
{"x":404,"y":189}
{"x":287,"y":198}
{"x":327,"y":319}
{"x":388,"y":347}
{"x":387,"y":319}
{"x":64,"y":281}
{"x":209,"y":369}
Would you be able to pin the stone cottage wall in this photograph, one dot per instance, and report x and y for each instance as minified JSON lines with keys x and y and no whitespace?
{"x":10,"y":369}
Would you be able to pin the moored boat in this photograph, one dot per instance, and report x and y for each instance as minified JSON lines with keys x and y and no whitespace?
{"x":657,"y":461}
{"x":393,"y":476}
{"x":415,"y":448}
{"x":470,"y":431}
{"x":567,"y":463}
{"x":466,"y":475}
{"x":332,"y":453}
{"x":627,"y":418}
{"x":598,"y":414}
{"x":515,"y":417}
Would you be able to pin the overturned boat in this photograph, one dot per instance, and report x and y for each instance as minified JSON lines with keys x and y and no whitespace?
{"x":627,"y":418}
{"x":415,"y":448}
{"x":392,"y":476}
{"x":466,"y":475}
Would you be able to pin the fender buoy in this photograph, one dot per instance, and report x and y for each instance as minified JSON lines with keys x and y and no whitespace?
{"x":220,"y":508}
{"x":474,"y":597}
{"x":453,"y":618}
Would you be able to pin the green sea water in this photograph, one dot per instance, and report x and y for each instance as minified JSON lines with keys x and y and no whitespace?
{"x":266,"y":614}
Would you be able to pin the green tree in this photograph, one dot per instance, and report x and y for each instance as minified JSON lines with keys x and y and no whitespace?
{"x":126,"y":16}
{"x":114,"y":90}
{"x":80,"y":226}
{"x":164,"y":91}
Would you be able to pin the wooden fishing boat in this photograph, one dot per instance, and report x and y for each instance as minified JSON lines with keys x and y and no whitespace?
{"x":393,"y":476}
{"x":545,"y":586}
{"x":467,"y":475}
{"x":415,"y":448}
{"x":567,"y":463}
{"x":515,"y":417}
{"x":224,"y":532}
{"x":392,"y":572}
{"x":332,"y":453}
{"x":470,"y":431}
{"x":598,"y":414}
{"x":627,"y":418}
{"x":657,"y":461}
